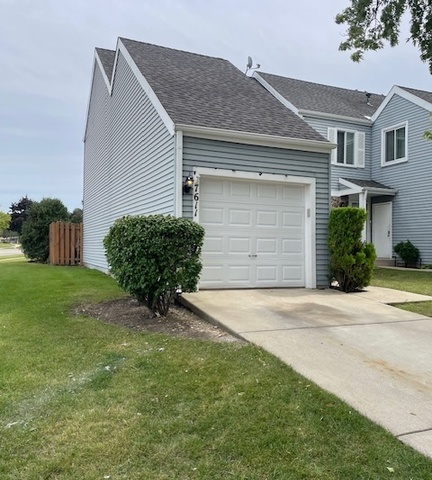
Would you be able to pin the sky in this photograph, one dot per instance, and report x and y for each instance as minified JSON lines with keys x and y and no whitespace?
{"x":47,"y":54}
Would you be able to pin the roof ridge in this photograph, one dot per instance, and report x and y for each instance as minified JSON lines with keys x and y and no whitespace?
{"x":174,"y":49}
{"x":322,"y":84}
{"x":415,"y":89}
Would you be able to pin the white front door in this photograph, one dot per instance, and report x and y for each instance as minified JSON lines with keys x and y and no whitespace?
{"x":255,"y":234}
{"x":382,"y":229}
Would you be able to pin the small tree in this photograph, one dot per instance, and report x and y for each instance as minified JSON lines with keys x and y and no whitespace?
{"x":150,"y":257}
{"x":351,"y":259}
{"x":35,"y":232}
{"x":4,"y":222}
{"x":408,"y":253}
{"x":18,"y":212}
{"x":76,"y":216}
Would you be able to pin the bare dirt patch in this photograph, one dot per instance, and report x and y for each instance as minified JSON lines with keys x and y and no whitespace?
{"x":180,"y":322}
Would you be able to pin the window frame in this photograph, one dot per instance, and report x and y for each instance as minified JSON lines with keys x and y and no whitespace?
{"x":355,"y":148}
{"x":384,"y":131}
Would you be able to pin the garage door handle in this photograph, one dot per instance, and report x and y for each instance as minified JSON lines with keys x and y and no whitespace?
{"x":253,"y":255}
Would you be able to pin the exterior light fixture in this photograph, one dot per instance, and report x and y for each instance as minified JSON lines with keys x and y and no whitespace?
{"x":188,"y":184}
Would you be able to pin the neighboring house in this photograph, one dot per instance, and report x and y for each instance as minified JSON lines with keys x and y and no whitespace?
{"x":160,"y":119}
{"x":382,"y":161}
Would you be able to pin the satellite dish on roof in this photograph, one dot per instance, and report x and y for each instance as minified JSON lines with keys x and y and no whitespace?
{"x":249,"y":65}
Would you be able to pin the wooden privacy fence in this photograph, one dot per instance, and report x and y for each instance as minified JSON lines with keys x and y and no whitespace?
{"x":65,"y":243}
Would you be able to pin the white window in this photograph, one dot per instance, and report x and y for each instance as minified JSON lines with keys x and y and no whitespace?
{"x":350,"y":149}
{"x":394,"y":144}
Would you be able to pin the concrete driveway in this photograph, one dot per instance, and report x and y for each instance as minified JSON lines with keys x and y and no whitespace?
{"x":375,"y":357}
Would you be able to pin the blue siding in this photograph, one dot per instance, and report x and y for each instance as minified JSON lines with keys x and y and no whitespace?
{"x":321,"y":126}
{"x":128,"y":160}
{"x":412,"y":206}
{"x":225,"y":155}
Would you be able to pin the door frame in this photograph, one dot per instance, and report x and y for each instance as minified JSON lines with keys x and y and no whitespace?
{"x":389,"y":216}
{"x":309,"y":184}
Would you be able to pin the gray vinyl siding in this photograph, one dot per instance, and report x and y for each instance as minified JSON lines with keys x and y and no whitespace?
{"x":412,"y":206}
{"x":128,"y":160}
{"x":226,"y":155}
{"x":321,"y":126}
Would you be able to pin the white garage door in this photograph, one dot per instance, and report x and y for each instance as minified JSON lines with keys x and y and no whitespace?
{"x":255,"y":234}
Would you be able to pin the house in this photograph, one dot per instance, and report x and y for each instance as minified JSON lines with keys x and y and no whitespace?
{"x":382,"y":162}
{"x":172,"y":132}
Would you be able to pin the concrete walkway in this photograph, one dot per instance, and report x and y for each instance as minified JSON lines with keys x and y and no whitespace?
{"x":375,"y":357}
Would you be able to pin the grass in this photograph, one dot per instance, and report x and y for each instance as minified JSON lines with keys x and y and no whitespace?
{"x":80,"y":399}
{"x":409,"y":281}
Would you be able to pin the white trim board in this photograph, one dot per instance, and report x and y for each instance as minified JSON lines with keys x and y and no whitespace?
{"x":249,"y":138}
{"x":169,"y":124}
{"x":275,"y":93}
{"x":395,"y":90}
{"x":310,"y":207}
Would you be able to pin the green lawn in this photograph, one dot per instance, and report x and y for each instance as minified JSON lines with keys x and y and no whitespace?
{"x":411,"y":281}
{"x":80,"y":399}
{"x":7,"y":245}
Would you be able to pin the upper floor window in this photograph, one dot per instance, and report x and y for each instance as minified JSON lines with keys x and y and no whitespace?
{"x":394,"y":144}
{"x":350,"y":149}
{"x":345,"y":147}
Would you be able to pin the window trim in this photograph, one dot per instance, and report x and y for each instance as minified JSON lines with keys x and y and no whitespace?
{"x":355,"y":142}
{"x":356,"y":134}
{"x":384,"y":131}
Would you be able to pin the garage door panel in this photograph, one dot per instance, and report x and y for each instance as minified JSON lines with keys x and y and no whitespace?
{"x":293,"y":219}
{"x":212,"y":274}
{"x":266,"y":273}
{"x":294,"y":194}
{"x":266,"y":191}
{"x":290,"y":246}
{"x":239,"y":189}
{"x":239,"y":273}
{"x":254,"y":234}
{"x":292,"y":274}
{"x":239,"y":245}
{"x":240,"y":217}
{"x":267,"y":245}
{"x":214,"y":245}
{"x":215,"y":187}
{"x":212,"y":216}
{"x":266,"y":218}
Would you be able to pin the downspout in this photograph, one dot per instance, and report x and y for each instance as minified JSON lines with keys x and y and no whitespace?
{"x":178,"y":173}
{"x":363,"y":204}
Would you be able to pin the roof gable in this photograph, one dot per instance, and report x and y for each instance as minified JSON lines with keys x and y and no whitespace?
{"x":202,"y":91}
{"x":418,"y":97}
{"x":107,"y":58}
{"x":325,"y":99}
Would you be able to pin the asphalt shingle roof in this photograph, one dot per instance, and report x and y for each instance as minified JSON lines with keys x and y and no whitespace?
{"x":366,"y":183}
{"x":198,"y":90}
{"x":324,"y":98}
{"x":423,"y":94}
{"x":107,"y":58}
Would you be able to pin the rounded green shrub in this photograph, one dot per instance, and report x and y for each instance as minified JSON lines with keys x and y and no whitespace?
{"x":408,"y":253}
{"x":152,"y":256}
{"x":351,"y":260}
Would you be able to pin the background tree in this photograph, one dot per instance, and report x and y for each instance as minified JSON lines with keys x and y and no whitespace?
{"x":18,"y":213}
{"x":372,"y":22}
{"x":4,"y":221}
{"x":76,"y":216}
{"x":35,"y":231}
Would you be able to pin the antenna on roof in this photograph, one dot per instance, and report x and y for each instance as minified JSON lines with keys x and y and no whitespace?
{"x":249,"y":65}
{"x":368,"y":95}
